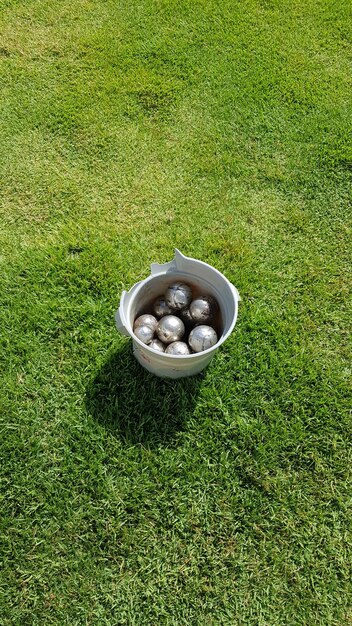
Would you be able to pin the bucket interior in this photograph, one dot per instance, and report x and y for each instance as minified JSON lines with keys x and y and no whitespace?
{"x":157,"y":285}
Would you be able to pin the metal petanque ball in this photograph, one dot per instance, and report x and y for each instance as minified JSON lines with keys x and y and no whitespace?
{"x":178,"y":296}
{"x":157,"y":345}
{"x":186,"y":316}
{"x":146,"y":320}
{"x":170,"y":328}
{"x":144,"y":333}
{"x":203,"y":308}
{"x":178,"y":347}
{"x":202,"y":337}
{"x":160,"y":307}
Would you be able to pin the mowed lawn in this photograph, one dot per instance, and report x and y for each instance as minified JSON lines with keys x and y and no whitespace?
{"x":128,"y":129}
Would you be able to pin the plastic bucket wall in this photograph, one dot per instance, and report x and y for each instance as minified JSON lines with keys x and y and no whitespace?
{"x":136,"y":301}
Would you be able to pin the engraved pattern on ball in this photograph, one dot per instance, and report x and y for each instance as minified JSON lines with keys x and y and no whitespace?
{"x":160,"y":307}
{"x":170,"y":328}
{"x":157,"y":345}
{"x":178,"y":347}
{"x":202,"y":337}
{"x":146,"y":320}
{"x":203,"y":308}
{"x":144,"y":333}
{"x":178,"y":296}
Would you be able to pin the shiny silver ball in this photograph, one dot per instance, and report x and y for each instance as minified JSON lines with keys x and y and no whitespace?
{"x":203,"y":308}
{"x":202,"y":337}
{"x":178,"y":296}
{"x":186,"y":316}
{"x":144,"y":333}
{"x":146,"y":320}
{"x":160,"y":307}
{"x":170,"y":328}
{"x":178,"y":347}
{"x":157,"y":345}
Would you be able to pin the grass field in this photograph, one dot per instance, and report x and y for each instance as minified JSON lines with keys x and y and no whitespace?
{"x":128,"y":129}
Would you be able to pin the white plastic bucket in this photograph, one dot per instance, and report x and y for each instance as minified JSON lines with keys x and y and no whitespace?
{"x":134,"y":302}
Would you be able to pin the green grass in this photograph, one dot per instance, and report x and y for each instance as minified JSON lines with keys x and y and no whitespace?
{"x":128,"y":129}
